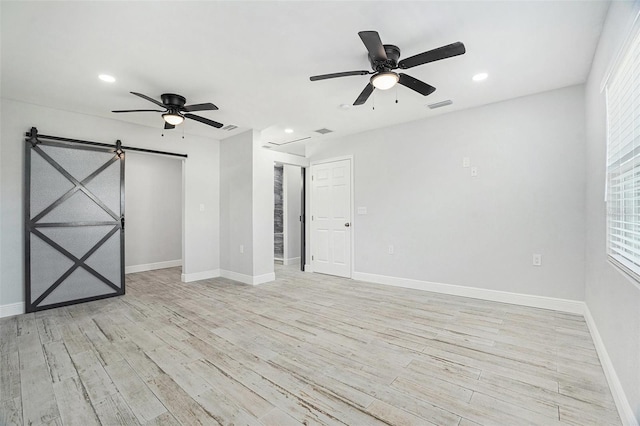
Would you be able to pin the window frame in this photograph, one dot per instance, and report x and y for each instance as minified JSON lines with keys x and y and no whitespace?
{"x":630,"y":51}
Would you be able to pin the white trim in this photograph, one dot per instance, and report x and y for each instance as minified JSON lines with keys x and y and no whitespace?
{"x":622,"y":403}
{"x":613,"y":63}
{"x":264,"y":278}
{"x":11,"y":309}
{"x":291,"y":261}
{"x":331,"y":160}
{"x":564,"y":305}
{"x":152,"y":266}
{"x":197,"y":276}
{"x":308,"y":268}
{"x":248,"y":279}
{"x":236,"y":276}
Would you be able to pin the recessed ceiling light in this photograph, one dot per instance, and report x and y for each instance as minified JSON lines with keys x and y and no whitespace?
{"x":107,"y":78}
{"x":288,"y":130}
{"x":345,"y":106}
{"x":481,"y":76}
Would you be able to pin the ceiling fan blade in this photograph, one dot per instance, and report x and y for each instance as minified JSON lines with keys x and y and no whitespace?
{"x":372,"y":42}
{"x":338,"y":74}
{"x":149,"y":99}
{"x":139,"y":110}
{"x":199,"y":107}
{"x":414,"y":84}
{"x":443,"y":52}
{"x":204,"y":120}
{"x":368,"y":90}
{"x":168,"y":126}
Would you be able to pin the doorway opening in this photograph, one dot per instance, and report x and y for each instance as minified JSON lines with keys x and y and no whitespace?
{"x":154,"y":200}
{"x":288,"y":216}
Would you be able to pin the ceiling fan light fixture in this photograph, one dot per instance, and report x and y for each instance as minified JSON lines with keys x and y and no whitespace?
{"x":384,"y":80}
{"x":173,"y":118}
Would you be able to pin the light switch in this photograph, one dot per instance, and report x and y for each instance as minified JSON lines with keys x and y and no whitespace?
{"x":474,"y":172}
{"x":201,"y":207}
{"x":362,"y":210}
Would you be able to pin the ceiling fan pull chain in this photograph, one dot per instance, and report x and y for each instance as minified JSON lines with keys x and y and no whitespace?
{"x":396,"y":93}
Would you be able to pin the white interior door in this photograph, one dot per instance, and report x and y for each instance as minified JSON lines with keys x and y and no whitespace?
{"x":331,"y":218}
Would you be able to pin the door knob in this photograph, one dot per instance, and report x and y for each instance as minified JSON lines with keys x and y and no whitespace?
{"x":347,"y":224}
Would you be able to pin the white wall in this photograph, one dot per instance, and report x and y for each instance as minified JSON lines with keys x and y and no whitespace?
{"x":153,"y":200}
{"x":448,"y":227}
{"x":263,"y":203}
{"x":200,"y":228}
{"x":236,"y":211}
{"x":612,"y":298}
{"x":292,"y":195}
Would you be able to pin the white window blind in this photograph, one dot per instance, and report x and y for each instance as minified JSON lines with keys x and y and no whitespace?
{"x":623,"y":161}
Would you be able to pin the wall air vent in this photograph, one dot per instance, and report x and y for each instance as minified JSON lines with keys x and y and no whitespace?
{"x":229,"y":127}
{"x":323,"y":131}
{"x":440,"y":104}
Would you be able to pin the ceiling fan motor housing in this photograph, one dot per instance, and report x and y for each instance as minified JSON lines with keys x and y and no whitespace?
{"x":173,"y":100}
{"x":393,"y":54}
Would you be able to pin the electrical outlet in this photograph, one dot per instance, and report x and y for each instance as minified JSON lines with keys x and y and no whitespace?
{"x":474,"y":172}
{"x":466,"y":162}
{"x":537,"y":259}
{"x":390,"y":249}
{"x":241,"y":248}
{"x":201,"y":207}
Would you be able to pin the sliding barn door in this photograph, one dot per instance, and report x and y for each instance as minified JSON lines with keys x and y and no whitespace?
{"x":74,"y":217}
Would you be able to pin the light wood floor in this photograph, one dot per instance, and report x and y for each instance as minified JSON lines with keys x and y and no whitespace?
{"x":307,"y":349}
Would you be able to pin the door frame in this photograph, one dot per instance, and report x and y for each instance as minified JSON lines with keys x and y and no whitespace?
{"x":351,"y":209}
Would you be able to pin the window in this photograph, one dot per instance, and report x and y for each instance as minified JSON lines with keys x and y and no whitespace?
{"x":623,"y":161}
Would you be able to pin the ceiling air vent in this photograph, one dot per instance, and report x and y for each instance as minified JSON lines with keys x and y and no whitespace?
{"x":323,"y":131}
{"x":229,"y":127}
{"x":440,"y":104}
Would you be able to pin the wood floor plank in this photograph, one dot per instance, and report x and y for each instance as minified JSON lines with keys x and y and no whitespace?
{"x":59,"y":361}
{"x":143,"y":402}
{"x":179,"y":403}
{"x":9,"y":376}
{"x":11,"y":411}
{"x":95,"y":379}
{"x":73,"y":402}
{"x":8,"y":334}
{"x":38,"y":399}
{"x":113,"y":410}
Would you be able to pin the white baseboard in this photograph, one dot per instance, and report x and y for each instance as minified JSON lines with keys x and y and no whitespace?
{"x":248,"y":279}
{"x":264,"y":278}
{"x":11,"y":309}
{"x":152,"y":266}
{"x":197,"y":276}
{"x":622,"y":403}
{"x":564,"y":305}
{"x":308,"y":268}
{"x":291,"y":261}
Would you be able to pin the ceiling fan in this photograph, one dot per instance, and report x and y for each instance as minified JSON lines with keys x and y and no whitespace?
{"x":384,"y":59}
{"x":175,"y":110}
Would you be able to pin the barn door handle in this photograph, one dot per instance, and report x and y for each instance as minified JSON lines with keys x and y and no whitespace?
{"x":347,"y":224}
